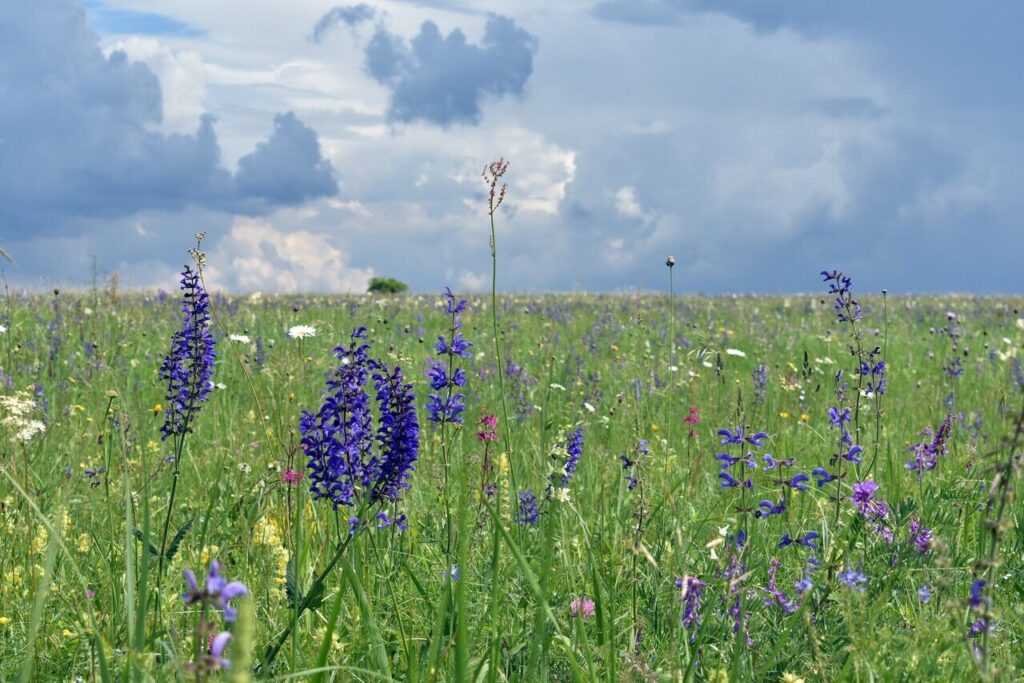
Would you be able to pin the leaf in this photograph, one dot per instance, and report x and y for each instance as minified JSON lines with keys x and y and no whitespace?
{"x":142,"y":537}
{"x":172,"y":549}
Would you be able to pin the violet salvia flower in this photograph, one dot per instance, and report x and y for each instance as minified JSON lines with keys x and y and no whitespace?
{"x":924,"y":594}
{"x":632,"y":465}
{"x":769,"y":508}
{"x":338,"y":439}
{"x":528,"y":513}
{"x":823,"y":476}
{"x":846,"y":308}
{"x":692,"y":591}
{"x":797,"y":481}
{"x":398,"y":434}
{"x":217,"y":593}
{"x":449,"y":407}
{"x":573,"y":451}
{"x":188,"y":367}
{"x":213,"y":660}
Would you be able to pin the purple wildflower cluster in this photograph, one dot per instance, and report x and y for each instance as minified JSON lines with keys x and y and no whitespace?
{"x":874,"y":370}
{"x":449,"y":407}
{"x":927,"y":453}
{"x":871,"y":508}
{"x":188,"y":367}
{"x":573,"y":451}
{"x":339,"y":439}
{"x":691,"y":591}
{"x":736,"y":437}
{"x":529,"y":514}
{"x":846,"y":308}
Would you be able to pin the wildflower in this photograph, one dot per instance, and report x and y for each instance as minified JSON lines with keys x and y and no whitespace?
{"x":837,"y":418}
{"x":292,"y":477}
{"x":18,"y":409}
{"x":338,"y":439}
{"x":214,"y":659}
{"x":797,"y":481}
{"x":454,"y":573}
{"x":582,"y":608}
{"x":853,"y":579}
{"x":692,"y":590}
{"x":770,"y":508}
{"x":803,"y":585}
{"x":631,"y":465}
{"x":920,"y":536}
{"x":450,"y":407}
{"x":823,"y":476}
{"x":528,"y":513}
{"x":398,"y":434}
{"x":301,"y":332}
{"x":927,"y":453}
{"x":573,"y":450}
{"x":847,"y":309}
{"x":866,"y":503}
{"x":240,"y":338}
{"x":188,"y":367}
{"x":977,"y":593}
{"x":924,"y":594}
{"x":776,"y":595}
{"x":788,"y":677}
{"x":217,"y":593}
{"x":735,"y":352}
{"x":488,"y":433}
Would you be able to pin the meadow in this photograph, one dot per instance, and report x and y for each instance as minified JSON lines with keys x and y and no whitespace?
{"x":641,"y":487}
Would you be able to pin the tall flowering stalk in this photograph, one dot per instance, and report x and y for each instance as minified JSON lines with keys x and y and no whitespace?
{"x":848,"y":311}
{"x":187,"y":369}
{"x":447,"y":402}
{"x":350,"y":463}
{"x":492,"y":176}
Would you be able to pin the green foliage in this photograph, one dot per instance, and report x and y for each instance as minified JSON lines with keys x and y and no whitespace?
{"x":386,"y":285}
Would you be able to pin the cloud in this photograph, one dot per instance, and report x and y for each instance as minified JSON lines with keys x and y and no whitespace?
{"x":442,"y":79}
{"x":256,"y":256}
{"x":350,"y":15}
{"x":79,"y":137}
{"x":288,"y":167}
{"x":182,"y":77}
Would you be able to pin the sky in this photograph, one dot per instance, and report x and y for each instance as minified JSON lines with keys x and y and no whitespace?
{"x":321,"y":144}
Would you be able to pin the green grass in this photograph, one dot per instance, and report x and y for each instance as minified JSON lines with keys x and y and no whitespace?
{"x":389,"y":610}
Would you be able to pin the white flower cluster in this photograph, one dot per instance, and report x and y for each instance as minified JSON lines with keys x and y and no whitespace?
{"x":18,"y":409}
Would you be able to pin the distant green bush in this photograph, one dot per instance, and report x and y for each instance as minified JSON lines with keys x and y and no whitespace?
{"x":386,"y":285}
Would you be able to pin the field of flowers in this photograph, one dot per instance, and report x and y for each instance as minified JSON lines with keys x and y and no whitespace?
{"x":628,"y":487}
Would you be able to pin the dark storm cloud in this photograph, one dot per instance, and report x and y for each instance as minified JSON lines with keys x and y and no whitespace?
{"x":443,"y":79}
{"x":350,"y":15}
{"x":287,"y":168}
{"x":78,"y":138}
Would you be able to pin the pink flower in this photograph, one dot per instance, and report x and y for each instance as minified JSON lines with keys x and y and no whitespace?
{"x":490,"y":424}
{"x":581,"y":607}
{"x":292,"y":476}
{"x":694,"y":416}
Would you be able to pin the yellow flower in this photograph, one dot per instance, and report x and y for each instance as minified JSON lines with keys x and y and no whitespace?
{"x":209,"y":552}
{"x":157,"y":409}
{"x":791,"y":678}
{"x":83,"y":543}
{"x":784,"y":415}
{"x":804,"y":417}
{"x":4,"y":621}
{"x":654,"y":426}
